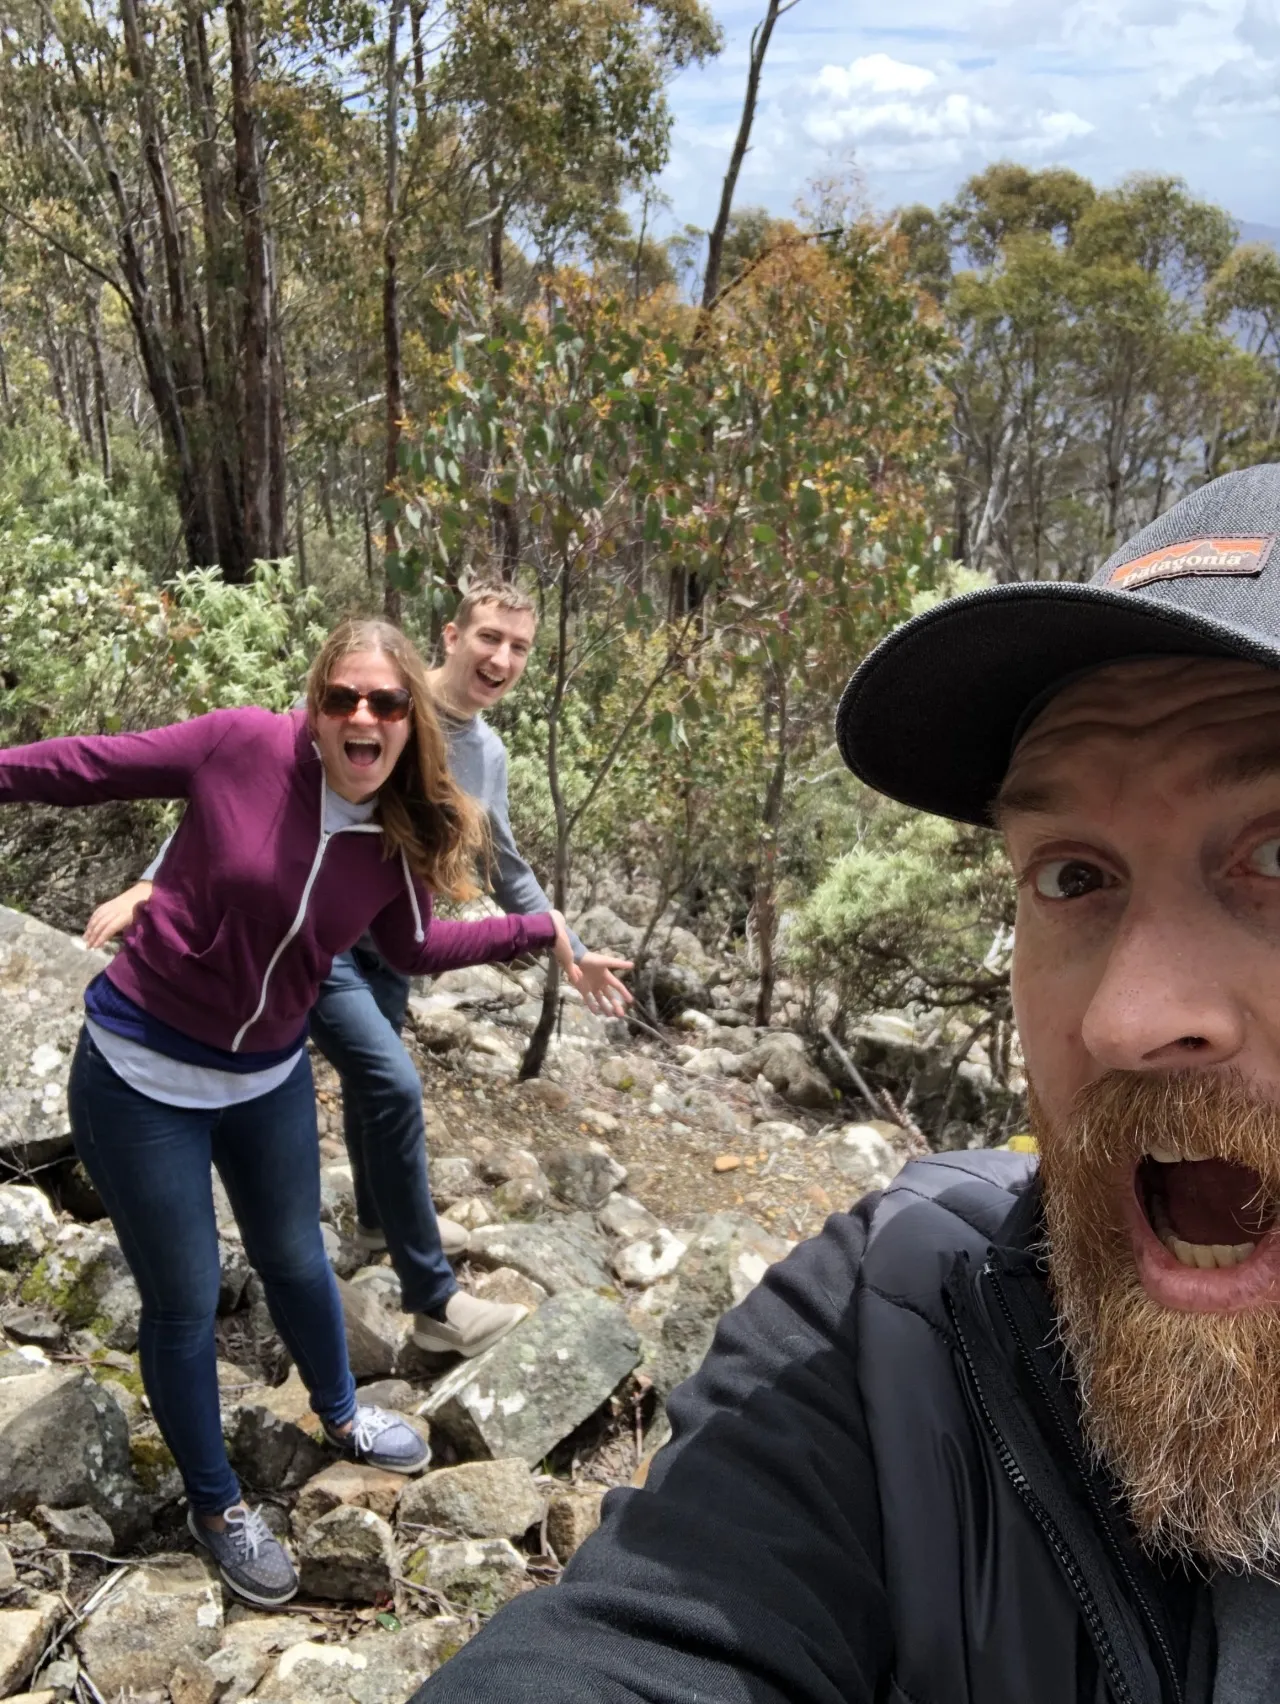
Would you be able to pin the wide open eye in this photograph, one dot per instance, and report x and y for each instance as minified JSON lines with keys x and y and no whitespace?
{"x":1068,"y":878}
{"x":1264,"y":860}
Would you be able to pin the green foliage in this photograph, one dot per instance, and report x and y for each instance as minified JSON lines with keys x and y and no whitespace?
{"x":919,"y":912}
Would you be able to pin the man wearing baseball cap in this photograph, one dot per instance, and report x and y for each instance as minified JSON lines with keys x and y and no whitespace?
{"x":1008,"y":1435}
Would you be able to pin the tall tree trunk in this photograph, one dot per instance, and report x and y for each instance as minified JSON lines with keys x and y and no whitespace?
{"x":766,"y":894}
{"x":416,"y":10}
{"x":536,"y":1052}
{"x":101,"y":399}
{"x":6,"y":396}
{"x":715,"y":244}
{"x":391,"y":601}
{"x":278,"y":474}
{"x":255,"y":339}
{"x":497,"y":234}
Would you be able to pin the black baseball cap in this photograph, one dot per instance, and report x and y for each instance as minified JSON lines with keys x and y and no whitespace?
{"x":931,"y":716}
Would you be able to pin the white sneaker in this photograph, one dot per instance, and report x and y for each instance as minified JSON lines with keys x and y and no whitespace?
{"x":455,"y":1239}
{"x":469,"y":1327}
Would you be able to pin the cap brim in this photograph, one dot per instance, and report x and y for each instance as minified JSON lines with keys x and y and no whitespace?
{"x":929,"y":717}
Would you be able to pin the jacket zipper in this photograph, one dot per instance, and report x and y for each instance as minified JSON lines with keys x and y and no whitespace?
{"x":1022,"y":1485}
{"x":1122,"y":1562}
{"x":326,"y":836}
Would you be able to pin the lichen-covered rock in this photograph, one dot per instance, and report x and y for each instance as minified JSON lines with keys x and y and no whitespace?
{"x":529,"y":1391}
{"x":453,"y":1178}
{"x":478,"y":1575}
{"x":154,"y":1615}
{"x":83,"y":1280}
{"x":348,"y":1554}
{"x":27,"y":1225}
{"x":479,"y":1499}
{"x":64,"y":1442}
{"x":585,"y":1177}
{"x":522,"y":1197}
{"x":43,"y":976}
{"x":649,"y":1258}
{"x":376,"y":1668}
{"x":571,"y":1519}
{"x":375,"y":1335}
{"x":559,"y":1256}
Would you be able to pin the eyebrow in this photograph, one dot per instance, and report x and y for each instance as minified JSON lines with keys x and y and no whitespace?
{"x":1027,"y":798}
{"x":1259,"y":762}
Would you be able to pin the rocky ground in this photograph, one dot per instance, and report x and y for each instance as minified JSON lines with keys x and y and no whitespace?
{"x":629,"y":1197}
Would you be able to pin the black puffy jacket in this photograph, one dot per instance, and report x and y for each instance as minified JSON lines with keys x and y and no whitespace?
{"x":875,"y":1490}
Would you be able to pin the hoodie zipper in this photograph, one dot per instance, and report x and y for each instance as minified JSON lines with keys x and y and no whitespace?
{"x":1022,"y":1485}
{"x":326,"y":835}
{"x":1100,"y":1515}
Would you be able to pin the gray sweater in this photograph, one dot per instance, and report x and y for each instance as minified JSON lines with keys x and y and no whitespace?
{"x":478,"y":760}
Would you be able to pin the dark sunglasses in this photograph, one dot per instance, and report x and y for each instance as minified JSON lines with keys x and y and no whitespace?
{"x":386,"y":703}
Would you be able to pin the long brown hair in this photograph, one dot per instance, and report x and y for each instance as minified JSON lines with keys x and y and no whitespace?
{"x":421,"y":809}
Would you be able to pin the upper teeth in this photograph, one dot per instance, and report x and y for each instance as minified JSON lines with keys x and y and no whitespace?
{"x":1166,"y":1156}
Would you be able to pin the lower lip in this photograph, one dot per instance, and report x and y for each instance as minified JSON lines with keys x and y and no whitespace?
{"x":1255,"y":1283}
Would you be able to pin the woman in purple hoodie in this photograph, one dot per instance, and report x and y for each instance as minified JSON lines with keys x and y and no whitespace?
{"x":301,"y":832}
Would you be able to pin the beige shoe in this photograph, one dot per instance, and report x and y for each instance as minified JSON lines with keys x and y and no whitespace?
{"x":455,"y":1239}
{"x":469,"y":1327}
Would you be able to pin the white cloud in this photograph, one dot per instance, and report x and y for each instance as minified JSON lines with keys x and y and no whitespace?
{"x":876,"y":74}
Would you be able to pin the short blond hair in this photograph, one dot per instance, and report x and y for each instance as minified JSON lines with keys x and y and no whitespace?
{"x":496,"y":592}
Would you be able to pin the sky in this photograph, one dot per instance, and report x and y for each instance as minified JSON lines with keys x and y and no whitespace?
{"x":919,"y":94}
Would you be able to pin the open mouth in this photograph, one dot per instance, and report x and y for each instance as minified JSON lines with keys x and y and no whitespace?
{"x":493,"y":682}
{"x":362,"y":754}
{"x":1210,"y":1214}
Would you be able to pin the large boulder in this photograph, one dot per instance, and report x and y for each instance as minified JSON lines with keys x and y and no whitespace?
{"x":43,"y":976}
{"x":83,"y":1280}
{"x":532,"y":1389}
{"x":153,"y":1617}
{"x":560,"y":1256}
{"x":782,"y":1061}
{"x":64,"y":1442}
{"x":479,"y":1499}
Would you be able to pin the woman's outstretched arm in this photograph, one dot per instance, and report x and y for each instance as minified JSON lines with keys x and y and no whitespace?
{"x":93,"y":769}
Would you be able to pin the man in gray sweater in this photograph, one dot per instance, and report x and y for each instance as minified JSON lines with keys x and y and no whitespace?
{"x":357,"y":1019}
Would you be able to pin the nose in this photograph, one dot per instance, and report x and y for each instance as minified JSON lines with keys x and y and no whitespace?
{"x":1167,"y":997}
{"x":500,"y":656}
{"x":362,"y":716}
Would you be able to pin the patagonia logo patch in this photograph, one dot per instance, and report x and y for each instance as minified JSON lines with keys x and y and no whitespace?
{"x":1197,"y":556}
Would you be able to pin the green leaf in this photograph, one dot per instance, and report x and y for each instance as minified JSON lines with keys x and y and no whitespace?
{"x":384,"y":1618}
{"x":763,"y":534}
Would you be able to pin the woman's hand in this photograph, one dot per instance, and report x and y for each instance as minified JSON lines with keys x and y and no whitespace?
{"x":563,"y":950}
{"x":601,"y":991}
{"x":116,"y":914}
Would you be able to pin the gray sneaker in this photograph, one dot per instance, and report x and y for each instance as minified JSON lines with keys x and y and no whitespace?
{"x":250,"y":1558}
{"x":379,"y":1439}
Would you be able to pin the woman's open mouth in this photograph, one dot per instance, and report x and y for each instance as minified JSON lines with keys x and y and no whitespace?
{"x":361,"y":753}
{"x":1204,"y":1231}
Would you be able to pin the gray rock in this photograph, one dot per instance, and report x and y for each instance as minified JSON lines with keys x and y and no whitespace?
{"x":337,"y":1194}
{"x":376,"y":1668}
{"x":234,"y":1273}
{"x":375,"y":1335}
{"x":477,"y":1575}
{"x":43,"y":976}
{"x":348,"y":1483}
{"x":248,"y":1648}
{"x":505,"y":1284}
{"x":27,"y":1224}
{"x":676,"y":987}
{"x":64,"y":1442}
{"x":272,"y":1438}
{"x":37,"y":1326}
{"x":83,"y":1279}
{"x":155,"y":1615}
{"x":585,"y":1177}
{"x":648,"y":1258}
{"x":622,"y":1216}
{"x":76,"y":1529}
{"x":479,"y":1499}
{"x":348,"y":1554}
{"x":440,"y":1029}
{"x":8,"y":1572}
{"x":771,"y":1132}
{"x":630,"y":1073}
{"x":864,"y":1154}
{"x":498,"y":1163}
{"x":22,"y":1638}
{"x":529,"y":1391}
{"x":786,"y":1068}
{"x":396,"y":1394}
{"x":472,"y":1212}
{"x":453,"y":1178}
{"x":607,"y":932}
{"x":522,"y":1197}
{"x":560,"y":1256}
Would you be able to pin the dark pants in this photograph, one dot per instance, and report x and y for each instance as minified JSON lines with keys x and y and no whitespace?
{"x":151,"y":1165}
{"x":356,"y":1024}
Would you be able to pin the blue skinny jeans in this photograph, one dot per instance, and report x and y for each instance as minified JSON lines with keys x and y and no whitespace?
{"x":356,"y":1024}
{"x":151,"y":1165}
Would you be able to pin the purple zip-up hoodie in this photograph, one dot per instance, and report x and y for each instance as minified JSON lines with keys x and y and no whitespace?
{"x":253,"y":900}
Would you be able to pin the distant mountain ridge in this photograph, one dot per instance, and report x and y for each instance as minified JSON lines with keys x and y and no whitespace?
{"x":1251,"y":233}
